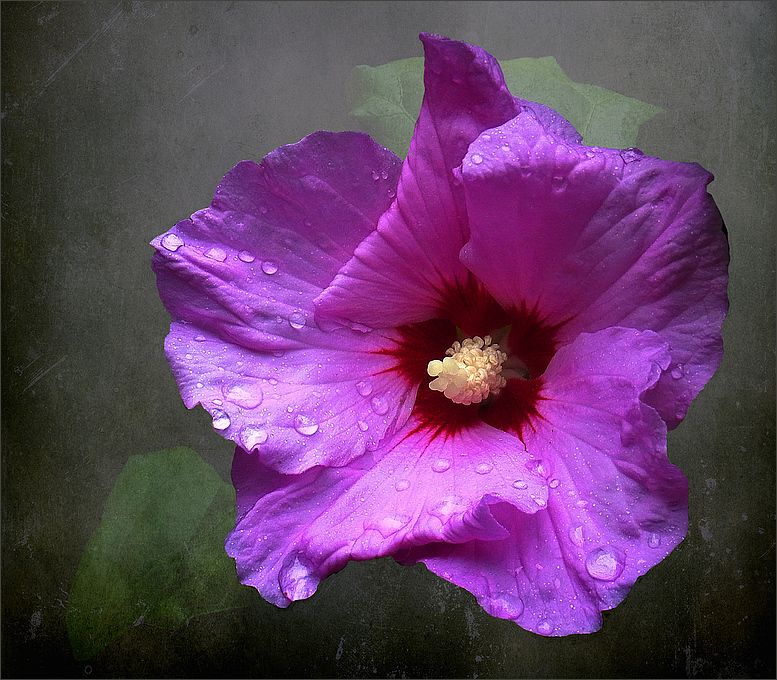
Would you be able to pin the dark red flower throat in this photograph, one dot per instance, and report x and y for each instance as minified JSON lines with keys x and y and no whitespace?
{"x":472,"y":311}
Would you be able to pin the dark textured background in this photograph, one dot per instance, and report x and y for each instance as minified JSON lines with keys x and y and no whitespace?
{"x":118,"y":119}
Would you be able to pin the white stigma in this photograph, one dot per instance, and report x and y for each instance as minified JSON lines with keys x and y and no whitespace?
{"x":470,"y":372}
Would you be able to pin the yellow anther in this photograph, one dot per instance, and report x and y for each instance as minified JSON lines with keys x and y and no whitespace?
{"x":470,"y":372}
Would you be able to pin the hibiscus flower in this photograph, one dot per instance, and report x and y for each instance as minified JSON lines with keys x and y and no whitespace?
{"x":468,"y":359}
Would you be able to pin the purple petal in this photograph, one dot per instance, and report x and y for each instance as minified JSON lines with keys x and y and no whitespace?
{"x":616,"y":505}
{"x":239,"y":279}
{"x":594,"y":238}
{"x":400,"y":272}
{"x":293,"y":531}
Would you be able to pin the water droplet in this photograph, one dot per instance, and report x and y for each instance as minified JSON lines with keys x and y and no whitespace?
{"x":379,"y":405}
{"x":476,"y":159}
{"x":272,"y":381}
{"x":364,"y":388}
{"x":297,"y":320}
{"x":520,"y":484}
{"x":402,"y":485}
{"x":375,"y":175}
{"x":245,"y":256}
{"x":252,"y":437}
{"x":305,"y":425}
{"x":441,"y":465}
{"x":199,"y":338}
{"x":389,"y":525}
{"x":218,"y":402}
{"x":484,"y":468}
{"x":384,"y":174}
{"x":296,"y":578}
{"x":631,"y":155}
{"x":363,"y":426}
{"x":677,"y":372}
{"x":558,"y":182}
{"x":269,"y":267}
{"x":217,"y":254}
{"x":545,"y":627}
{"x":221,"y":420}
{"x":654,"y":540}
{"x":244,"y":392}
{"x":576,"y":536}
{"x":553,"y":483}
{"x":505,"y":606}
{"x":199,"y":386}
{"x":172,"y":242}
{"x":447,"y":508}
{"x":603,"y":564}
{"x":536,"y":466}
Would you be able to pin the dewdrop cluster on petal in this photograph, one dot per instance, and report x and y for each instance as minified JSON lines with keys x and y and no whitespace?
{"x":470,"y":372}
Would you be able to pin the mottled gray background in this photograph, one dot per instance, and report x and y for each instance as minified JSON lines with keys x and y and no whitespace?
{"x":118,"y":119}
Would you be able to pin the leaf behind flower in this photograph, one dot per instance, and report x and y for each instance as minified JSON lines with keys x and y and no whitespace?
{"x":385,"y":101}
{"x":158,"y":552}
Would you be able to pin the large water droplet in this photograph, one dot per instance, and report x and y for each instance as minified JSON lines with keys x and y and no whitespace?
{"x":441,"y":465}
{"x":484,"y":468}
{"x":505,"y":606}
{"x":269,"y":267}
{"x":576,"y":536}
{"x":375,"y":175}
{"x":199,"y":338}
{"x":245,"y":256}
{"x":677,"y":372}
{"x":520,"y":484}
{"x":379,"y":405}
{"x":364,"y":388}
{"x":654,"y":540}
{"x":477,"y":159}
{"x":389,"y":525}
{"x":545,"y":627}
{"x":305,"y":425}
{"x":221,"y":420}
{"x":172,"y":242}
{"x":384,"y":174}
{"x":363,"y":426}
{"x":559,"y":182}
{"x":536,"y":466}
{"x":631,"y":155}
{"x":244,"y":392}
{"x":297,"y":320}
{"x":296,"y":578}
{"x":252,"y":437}
{"x":402,"y":485}
{"x":217,"y":254}
{"x":603,"y":564}
{"x":553,"y":483}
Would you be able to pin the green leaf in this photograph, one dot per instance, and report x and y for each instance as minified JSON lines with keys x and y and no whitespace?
{"x":385,"y":101}
{"x":602,"y":117}
{"x":158,"y":553}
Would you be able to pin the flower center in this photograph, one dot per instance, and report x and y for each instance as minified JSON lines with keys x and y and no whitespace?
{"x":470,"y":371}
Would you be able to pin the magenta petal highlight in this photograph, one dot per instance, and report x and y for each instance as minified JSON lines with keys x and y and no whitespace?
{"x":616,"y":506}
{"x":411,"y":492}
{"x":601,"y":237}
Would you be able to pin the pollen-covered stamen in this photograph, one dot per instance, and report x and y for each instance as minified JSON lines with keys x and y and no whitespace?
{"x":470,"y":372}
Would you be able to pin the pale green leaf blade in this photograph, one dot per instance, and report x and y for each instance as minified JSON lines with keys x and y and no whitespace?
{"x":385,"y":101}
